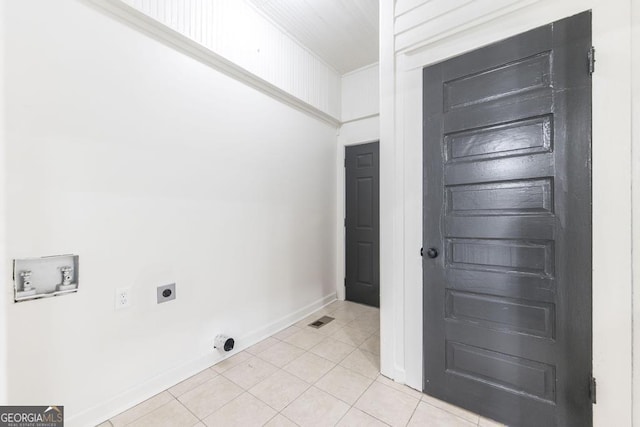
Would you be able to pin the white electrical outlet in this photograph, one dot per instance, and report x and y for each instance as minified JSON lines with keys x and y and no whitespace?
{"x":123,"y":298}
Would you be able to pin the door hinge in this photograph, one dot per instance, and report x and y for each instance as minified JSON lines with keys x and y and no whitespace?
{"x":421,"y":251}
{"x":592,"y":390}
{"x":591,"y":56}
{"x":345,"y":282}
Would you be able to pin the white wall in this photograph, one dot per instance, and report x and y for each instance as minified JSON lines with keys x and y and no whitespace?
{"x":457,"y":28}
{"x":360,"y":94}
{"x":239,"y":32}
{"x":4,"y":262}
{"x":155,"y":169}
{"x":361,"y":124}
{"x":635,"y":159}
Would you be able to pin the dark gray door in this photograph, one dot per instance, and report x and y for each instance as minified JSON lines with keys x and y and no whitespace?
{"x":362,"y":224}
{"x":507,"y":211}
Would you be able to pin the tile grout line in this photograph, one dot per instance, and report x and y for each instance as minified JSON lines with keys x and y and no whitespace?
{"x":161,"y":406}
{"x":347,"y":355}
{"x":275,"y":409}
{"x":449,"y":412}
{"x":253,"y":357}
{"x":289,"y":404}
{"x":406,"y":394}
{"x":190,"y":411}
{"x":147,"y":413}
{"x":402,"y":387}
{"x":413,"y":413}
{"x":362,"y":410}
{"x":287,"y":418}
{"x":235,"y":398}
{"x":270,"y":419}
{"x":340,"y":399}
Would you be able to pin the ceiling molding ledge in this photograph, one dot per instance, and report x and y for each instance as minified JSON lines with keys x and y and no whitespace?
{"x":359,"y":70}
{"x":357,"y":119}
{"x":166,"y":35}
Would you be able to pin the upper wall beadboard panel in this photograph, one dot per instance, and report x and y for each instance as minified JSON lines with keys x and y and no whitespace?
{"x":343,"y":33}
{"x":429,"y":11}
{"x":237,"y":32}
{"x":418,"y":22}
{"x":404,"y":6}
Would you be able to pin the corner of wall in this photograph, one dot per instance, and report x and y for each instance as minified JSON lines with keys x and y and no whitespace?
{"x":3,"y":263}
{"x":390,"y":341}
{"x":635,"y":244}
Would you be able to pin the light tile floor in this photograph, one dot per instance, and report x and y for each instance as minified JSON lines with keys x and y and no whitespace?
{"x":301,"y":376}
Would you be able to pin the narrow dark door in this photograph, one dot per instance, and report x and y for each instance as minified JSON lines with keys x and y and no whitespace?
{"x":507,"y":215}
{"x":362,"y":224}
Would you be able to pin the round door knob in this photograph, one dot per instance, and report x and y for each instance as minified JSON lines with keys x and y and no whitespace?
{"x":432,"y":252}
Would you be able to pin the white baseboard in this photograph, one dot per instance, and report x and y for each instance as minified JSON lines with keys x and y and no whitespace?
{"x":396,"y":373}
{"x":103,"y":411}
{"x":400,"y":375}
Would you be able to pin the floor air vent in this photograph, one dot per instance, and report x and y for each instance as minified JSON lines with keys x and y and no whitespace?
{"x":321,"y":322}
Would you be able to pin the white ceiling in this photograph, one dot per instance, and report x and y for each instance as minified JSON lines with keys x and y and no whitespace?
{"x":344,"y":33}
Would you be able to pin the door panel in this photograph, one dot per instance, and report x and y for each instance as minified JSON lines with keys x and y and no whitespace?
{"x":507,"y":205}
{"x":362,"y":223}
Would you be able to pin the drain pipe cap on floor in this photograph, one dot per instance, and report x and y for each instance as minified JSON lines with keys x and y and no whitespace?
{"x":223,"y":342}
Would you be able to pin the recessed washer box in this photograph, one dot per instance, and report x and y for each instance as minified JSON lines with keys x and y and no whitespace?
{"x":49,"y":276}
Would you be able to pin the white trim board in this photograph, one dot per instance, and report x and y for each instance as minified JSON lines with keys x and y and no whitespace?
{"x":157,"y":30}
{"x":369,"y":116}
